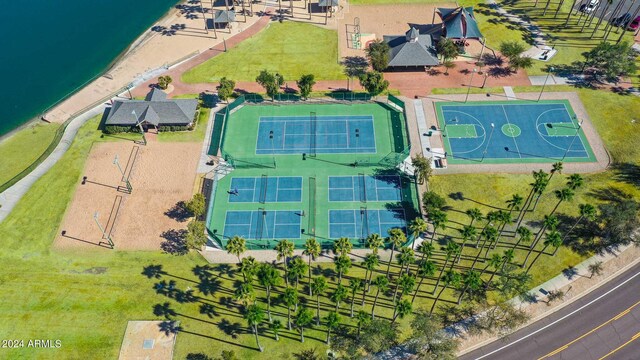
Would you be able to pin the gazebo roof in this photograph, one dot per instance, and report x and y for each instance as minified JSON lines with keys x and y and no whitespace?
{"x":224,"y":16}
{"x":460,"y":23}
{"x":411,"y":49}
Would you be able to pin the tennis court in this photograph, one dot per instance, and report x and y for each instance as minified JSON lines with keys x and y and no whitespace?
{"x":512,"y":132}
{"x":316,"y":134}
{"x":263,"y":224}
{"x":364,"y":188}
{"x":362,"y":222}
{"x":265,"y":189}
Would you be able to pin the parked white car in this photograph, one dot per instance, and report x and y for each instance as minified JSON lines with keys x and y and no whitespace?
{"x":589,"y":7}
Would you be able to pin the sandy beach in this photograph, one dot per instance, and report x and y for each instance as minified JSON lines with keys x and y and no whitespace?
{"x":178,"y":35}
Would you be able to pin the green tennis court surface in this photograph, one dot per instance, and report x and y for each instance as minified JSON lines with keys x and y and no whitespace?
{"x":274,"y":192}
{"x":512,"y":132}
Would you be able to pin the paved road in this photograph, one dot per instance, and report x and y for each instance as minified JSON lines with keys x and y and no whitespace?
{"x":627,"y":7}
{"x":604,"y":324}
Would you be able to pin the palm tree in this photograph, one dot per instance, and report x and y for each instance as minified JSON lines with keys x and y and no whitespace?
{"x":245,"y":294}
{"x":338,"y":295}
{"x":304,"y":317}
{"x":332,"y":320}
{"x":375,"y":242}
{"x":488,"y":233}
{"x":370,"y":263}
{"x":290,"y":298}
{"x":575,"y":181}
{"x":549,"y":222}
{"x":268,"y":277}
{"x":474,"y":214}
{"x":396,"y":238}
{"x":471,"y":281}
{"x":312,"y":250}
{"x":405,"y":257}
{"x":468,"y":232}
{"x":426,"y":249}
{"x":382,"y":285}
{"x":417,"y":226}
{"x":515,"y":203}
{"x":439,"y":221}
{"x":524,"y":234}
{"x":342,"y":246}
{"x":587,"y":211}
{"x":553,"y":238}
{"x":541,"y":181}
{"x":495,"y":261}
{"x":451,"y":249}
{"x":602,"y":16}
{"x":248,"y":268}
{"x":565,"y":194}
{"x":342,"y":264}
{"x":275,"y":326}
{"x":297,"y":269}
{"x":318,"y":285}
{"x":556,"y":168}
{"x":362,"y":318}
{"x":254,"y":316}
{"x":507,"y":257}
{"x":355,"y":285}
{"x":284,"y":250}
{"x":425,"y":269}
{"x":236,"y":246}
{"x":407,"y":282}
{"x":450,"y":277}
{"x":505,"y":219}
{"x":402,"y":309}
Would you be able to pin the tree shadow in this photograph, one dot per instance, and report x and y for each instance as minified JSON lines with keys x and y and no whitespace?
{"x":175,"y":242}
{"x":230,"y":329}
{"x":628,"y":173}
{"x":153,"y":271}
{"x":179,"y":212}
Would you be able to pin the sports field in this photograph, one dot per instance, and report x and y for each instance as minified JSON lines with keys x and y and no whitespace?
{"x":512,"y":132}
{"x":324,"y":171}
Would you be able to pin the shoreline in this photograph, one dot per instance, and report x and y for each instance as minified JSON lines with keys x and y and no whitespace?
{"x":118,"y":59}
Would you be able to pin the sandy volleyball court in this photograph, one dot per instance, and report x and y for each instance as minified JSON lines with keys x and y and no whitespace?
{"x":162,"y":175}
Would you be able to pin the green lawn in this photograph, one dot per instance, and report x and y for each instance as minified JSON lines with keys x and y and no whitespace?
{"x":291,"y":49}
{"x":24,"y":147}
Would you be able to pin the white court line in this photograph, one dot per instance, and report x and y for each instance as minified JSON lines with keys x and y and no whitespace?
{"x":560,"y":319}
{"x":509,"y":122}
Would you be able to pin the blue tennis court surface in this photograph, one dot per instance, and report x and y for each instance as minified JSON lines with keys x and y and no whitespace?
{"x":266,"y":189}
{"x":361,"y":223}
{"x":263,"y":224}
{"x":321,"y":134}
{"x":512,"y":132}
{"x":364,"y":188}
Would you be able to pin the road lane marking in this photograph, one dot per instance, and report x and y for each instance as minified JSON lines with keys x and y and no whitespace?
{"x":620,"y":315}
{"x":560,"y":319}
{"x":633,"y":338}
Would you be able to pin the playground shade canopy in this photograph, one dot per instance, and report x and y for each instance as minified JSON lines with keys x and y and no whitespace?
{"x":459,"y":23}
{"x":411,"y":49}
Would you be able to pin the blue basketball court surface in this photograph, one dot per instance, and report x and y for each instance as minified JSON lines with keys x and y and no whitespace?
{"x":266,"y":189}
{"x":263,"y":224}
{"x":364,"y":188}
{"x":511,"y":132}
{"x":321,"y":134}
{"x":362,"y":222}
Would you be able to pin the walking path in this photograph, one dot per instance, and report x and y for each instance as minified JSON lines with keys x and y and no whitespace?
{"x":537,"y":36}
{"x":10,"y":197}
{"x":423,"y":129}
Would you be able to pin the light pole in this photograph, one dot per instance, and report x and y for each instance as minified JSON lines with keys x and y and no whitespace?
{"x":484,"y":153}
{"x":470,"y":81}
{"x":104,"y":234}
{"x":545,"y":83}
{"x":572,"y":140}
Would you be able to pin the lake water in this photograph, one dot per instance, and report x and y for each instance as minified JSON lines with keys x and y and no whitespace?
{"x":50,"y":48}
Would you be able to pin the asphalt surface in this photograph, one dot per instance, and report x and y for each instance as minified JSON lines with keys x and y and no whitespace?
{"x":604,"y":324}
{"x":627,"y":7}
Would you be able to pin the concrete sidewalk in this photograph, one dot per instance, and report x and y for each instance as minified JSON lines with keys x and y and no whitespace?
{"x":10,"y":197}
